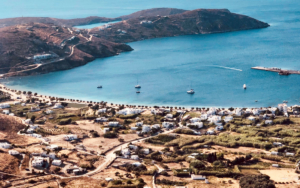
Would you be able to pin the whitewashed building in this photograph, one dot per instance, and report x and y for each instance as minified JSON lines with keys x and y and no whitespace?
{"x":56,"y":162}
{"x":228,"y":119}
{"x":113,"y":124}
{"x":194,"y":120}
{"x":5,"y":145}
{"x":129,"y":111}
{"x":13,"y":152}
{"x":146,"y":128}
{"x":28,"y":122}
{"x":58,"y":105}
{"x":70,"y":137}
{"x":134,"y":157}
{"x":167,"y":124}
{"x":139,"y":124}
{"x":4,"y":105}
{"x":37,"y":161}
{"x":103,"y":110}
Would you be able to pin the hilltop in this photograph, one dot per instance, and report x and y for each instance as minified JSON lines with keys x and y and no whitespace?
{"x":68,"y":47}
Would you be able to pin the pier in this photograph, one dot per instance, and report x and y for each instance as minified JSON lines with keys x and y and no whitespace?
{"x":279,"y":70}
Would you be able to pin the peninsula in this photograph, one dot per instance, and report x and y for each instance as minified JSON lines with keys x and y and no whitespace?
{"x":48,"y":44}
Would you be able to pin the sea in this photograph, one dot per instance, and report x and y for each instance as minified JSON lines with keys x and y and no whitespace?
{"x":216,"y":66}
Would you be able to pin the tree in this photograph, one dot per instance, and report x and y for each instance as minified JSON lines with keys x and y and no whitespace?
{"x":33,"y":118}
{"x":117,"y":173}
{"x":254,"y":181}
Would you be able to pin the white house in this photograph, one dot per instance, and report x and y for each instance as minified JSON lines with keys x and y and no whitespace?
{"x":133,"y":147}
{"x":275,"y":165}
{"x":23,"y":104}
{"x":52,"y":156}
{"x":203,"y":117}
{"x":129,"y":111}
{"x":101,"y":119}
{"x":255,"y":111}
{"x":155,"y":126}
{"x":134,"y":128}
{"x":278,"y":144}
{"x":56,"y":162}
{"x":219,"y":128}
{"x":49,"y":111}
{"x":167,"y":124}
{"x":274,"y":153}
{"x":70,"y":137}
{"x":113,"y":124}
{"x":251,"y":118}
{"x":103,"y":110}
{"x":6,"y":112}
{"x":34,"y":109}
{"x":197,"y":177}
{"x":146,"y":151}
{"x":146,"y":128}
{"x":210,"y":132}
{"x":145,"y":22}
{"x":137,"y":164}
{"x":42,"y":56}
{"x":105,"y":130}
{"x":4,"y":105}
{"x":238,"y":111}
{"x":52,"y":147}
{"x":272,"y":110}
{"x":125,"y":151}
{"x":282,"y":107}
{"x":194,"y":120}
{"x":30,"y":131}
{"x":57,"y":105}
{"x":134,"y":157}
{"x":289,"y":154}
{"x":268,"y":122}
{"x":139,"y":124}
{"x":37,"y":161}
{"x":13,"y":152}
{"x":109,"y":179}
{"x":228,"y":118}
{"x":169,"y":116}
{"x":28,"y":122}
{"x":5,"y":145}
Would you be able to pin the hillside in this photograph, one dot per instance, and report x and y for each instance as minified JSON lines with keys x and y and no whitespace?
{"x":60,"y":22}
{"x":201,"y":21}
{"x":153,"y":12}
{"x":69,"y":47}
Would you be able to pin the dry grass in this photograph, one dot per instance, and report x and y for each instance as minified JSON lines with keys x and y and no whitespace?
{"x":9,"y":127}
{"x":9,"y":164}
{"x":84,"y":183}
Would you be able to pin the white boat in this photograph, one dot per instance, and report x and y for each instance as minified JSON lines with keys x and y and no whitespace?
{"x":191,"y":91}
{"x":244,"y":86}
{"x":137,"y":84}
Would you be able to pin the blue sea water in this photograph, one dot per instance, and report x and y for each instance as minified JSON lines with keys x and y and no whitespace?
{"x":215,"y":65}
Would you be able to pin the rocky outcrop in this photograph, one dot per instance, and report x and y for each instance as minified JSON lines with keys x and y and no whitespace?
{"x":201,"y":21}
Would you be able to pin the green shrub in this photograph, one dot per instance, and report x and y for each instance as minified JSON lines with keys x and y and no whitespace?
{"x":65,"y":121}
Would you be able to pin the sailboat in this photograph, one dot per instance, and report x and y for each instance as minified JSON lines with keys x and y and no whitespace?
{"x":191,"y":91}
{"x":137,"y":84}
{"x":244,"y":86}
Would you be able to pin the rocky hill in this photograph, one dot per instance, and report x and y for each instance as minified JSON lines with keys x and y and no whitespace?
{"x":89,"y":20}
{"x":201,"y":21}
{"x":69,"y":47}
{"x":153,"y":12}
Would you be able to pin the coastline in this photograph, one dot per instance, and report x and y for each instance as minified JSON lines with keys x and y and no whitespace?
{"x":115,"y":104}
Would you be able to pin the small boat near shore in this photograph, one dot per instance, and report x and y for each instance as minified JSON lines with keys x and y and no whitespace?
{"x":137,"y":85}
{"x":244,"y":86}
{"x":191,"y":91}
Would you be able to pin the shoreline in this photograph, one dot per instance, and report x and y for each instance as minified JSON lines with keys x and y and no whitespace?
{"x":108,"y":103}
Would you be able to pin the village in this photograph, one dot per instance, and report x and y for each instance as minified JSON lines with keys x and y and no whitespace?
{"x":58,"y":142}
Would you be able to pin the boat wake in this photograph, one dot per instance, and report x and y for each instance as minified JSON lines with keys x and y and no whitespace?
{"x":228,"y":68}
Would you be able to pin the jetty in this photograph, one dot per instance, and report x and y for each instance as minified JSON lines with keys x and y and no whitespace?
{"x":279,"y":70}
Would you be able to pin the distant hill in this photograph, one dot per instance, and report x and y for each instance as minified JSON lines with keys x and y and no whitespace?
{"x":153,"y":12}
{"x":72,"y":48}
{"x":60,"y":22}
